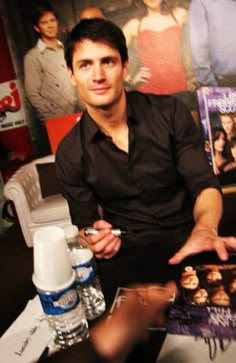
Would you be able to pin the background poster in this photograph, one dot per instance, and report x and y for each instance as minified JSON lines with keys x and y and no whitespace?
{"x":175,"y":46}
{"x":217,"y":107}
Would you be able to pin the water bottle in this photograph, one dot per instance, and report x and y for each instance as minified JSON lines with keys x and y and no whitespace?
{"x":54,"y":279}
{"x":87,"y":279}
{"x":65,"y":315}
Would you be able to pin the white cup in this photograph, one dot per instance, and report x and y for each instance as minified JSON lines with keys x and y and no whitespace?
{"x":71,"y":233}
{"x":52,"y":265}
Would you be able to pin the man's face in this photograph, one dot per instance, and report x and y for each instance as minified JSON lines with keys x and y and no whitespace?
{"x":47,"y":26}
{"x":98,"y":74}
{"x":220,"y":298}
{"x":213,"y":276}
{"x":200,"y":296}
{"x":189,"y":280}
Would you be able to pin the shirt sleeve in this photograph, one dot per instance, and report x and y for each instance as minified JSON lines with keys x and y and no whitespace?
{"x":82,"y":202}
{"x":191,"y":159}
{"x":200,"y":43}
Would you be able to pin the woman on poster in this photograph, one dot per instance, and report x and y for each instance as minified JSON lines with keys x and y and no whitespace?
{"x":220,"y":156}
{"x":158,"y":39}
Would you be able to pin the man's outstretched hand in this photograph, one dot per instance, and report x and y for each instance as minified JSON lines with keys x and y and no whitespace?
{"x":204,"y":240}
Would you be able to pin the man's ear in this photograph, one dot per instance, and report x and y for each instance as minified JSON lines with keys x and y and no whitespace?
{"x":125,"y":69}
{"x":71,"y":76}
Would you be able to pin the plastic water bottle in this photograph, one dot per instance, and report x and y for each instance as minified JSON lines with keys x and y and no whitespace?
{"x":87,"y":279}
{"x":54,"y":279}
{"x":65,"y":316}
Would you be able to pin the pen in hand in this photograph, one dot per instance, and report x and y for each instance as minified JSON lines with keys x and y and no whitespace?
{"x":115,"y":231}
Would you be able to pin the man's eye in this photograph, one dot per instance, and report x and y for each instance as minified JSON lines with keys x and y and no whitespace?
{"x":108,"y":61}
{"x":84,"y":65}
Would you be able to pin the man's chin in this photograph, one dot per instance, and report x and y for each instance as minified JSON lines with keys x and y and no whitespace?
{"x":104,"y":105}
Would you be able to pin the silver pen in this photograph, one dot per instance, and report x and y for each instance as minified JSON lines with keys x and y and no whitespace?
{"x":115,"y":231}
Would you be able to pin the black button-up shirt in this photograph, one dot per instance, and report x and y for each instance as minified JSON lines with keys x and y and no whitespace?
{"x":151,"y":190}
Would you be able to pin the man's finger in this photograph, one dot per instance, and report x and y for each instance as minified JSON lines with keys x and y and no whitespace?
{"x":180,"y":255}
{"x":221,"y":250}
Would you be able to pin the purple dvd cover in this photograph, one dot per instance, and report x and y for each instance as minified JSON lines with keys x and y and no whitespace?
{"x":206,"y":305}
{"x":217,"y":108}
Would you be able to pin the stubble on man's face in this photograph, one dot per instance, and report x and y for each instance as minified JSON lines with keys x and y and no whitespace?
{"x":98,"y":73}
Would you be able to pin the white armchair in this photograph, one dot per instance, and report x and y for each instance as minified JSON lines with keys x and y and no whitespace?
{"x":34,"y":211}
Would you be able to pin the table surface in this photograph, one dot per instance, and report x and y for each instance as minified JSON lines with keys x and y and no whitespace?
{"x":141,"y":265}
{"x":129,"y":266}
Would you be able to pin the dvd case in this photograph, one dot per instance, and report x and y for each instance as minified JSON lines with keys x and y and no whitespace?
{"x":217,"y":108}
{"x":206,"y":304}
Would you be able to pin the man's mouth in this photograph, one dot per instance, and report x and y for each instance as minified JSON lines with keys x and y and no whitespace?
{"x":100,"y":90}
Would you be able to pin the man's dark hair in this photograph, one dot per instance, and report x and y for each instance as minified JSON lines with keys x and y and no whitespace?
{"x":40,"y":8}
{"x":96,"y":30}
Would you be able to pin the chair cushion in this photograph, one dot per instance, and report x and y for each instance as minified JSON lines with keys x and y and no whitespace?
{"x":53,"y":208}
{"x":48,"y":181}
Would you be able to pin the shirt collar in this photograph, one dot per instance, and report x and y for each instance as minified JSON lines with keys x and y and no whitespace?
{"x":42,"y":46}
{"x":90,"y":127}
{"x":131,"y":113}
{"x":92,"y":130}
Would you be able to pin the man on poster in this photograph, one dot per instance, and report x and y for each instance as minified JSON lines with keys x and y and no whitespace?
{"x":140,"y":157}
{"x":47,"y":84}
{"x":213,"y":48}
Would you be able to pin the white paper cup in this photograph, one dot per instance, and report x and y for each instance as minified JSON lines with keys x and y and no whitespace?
{"x":52,"y":265}
{"x":71,"y":233}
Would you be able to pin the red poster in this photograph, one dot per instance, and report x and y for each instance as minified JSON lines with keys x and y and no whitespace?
{"x":14,"y":131}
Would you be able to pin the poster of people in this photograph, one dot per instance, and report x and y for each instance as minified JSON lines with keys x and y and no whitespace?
{"x":217,"y":107}
{"x":175,"y":47}
{"x":206,"y":304}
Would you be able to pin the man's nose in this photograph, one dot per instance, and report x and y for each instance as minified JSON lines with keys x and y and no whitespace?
{"x":98,"y":72}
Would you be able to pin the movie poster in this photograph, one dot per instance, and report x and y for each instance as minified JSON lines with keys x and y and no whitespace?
{"x":206,"y":304}
{"x":175,"y":47}
{"x":217,"y":106}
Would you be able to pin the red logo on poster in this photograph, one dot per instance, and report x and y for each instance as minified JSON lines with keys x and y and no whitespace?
{"x":10,"y":102}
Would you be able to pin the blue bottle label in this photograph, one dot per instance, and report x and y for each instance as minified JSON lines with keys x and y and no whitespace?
{"x":59,"y":302}
{"x":85,"y":272}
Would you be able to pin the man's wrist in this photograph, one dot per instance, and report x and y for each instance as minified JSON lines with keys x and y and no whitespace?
{"x":206,"y":228}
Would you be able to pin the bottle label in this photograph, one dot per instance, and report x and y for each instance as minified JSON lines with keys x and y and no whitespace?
{"x":59,"y":302}
{"x":85,"y":272}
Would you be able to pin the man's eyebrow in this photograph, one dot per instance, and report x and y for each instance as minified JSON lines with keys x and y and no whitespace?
{"x":100,"y":59}
{"x":114,"y":57}
{"x":84,"y":60}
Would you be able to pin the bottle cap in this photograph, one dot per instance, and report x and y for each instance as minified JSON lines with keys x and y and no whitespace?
{"x":52,"y":264}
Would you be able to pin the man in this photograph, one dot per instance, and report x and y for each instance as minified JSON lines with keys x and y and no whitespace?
{"x":213,"y":48}
{"x":111,"y":340}
{"x":140,"y":157}
{"x":47,"y":84}
{"x":91,"y":12}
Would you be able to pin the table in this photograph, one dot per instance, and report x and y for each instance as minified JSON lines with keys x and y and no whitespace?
{"x":146,"y":264}
{"x":131,"y":265}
